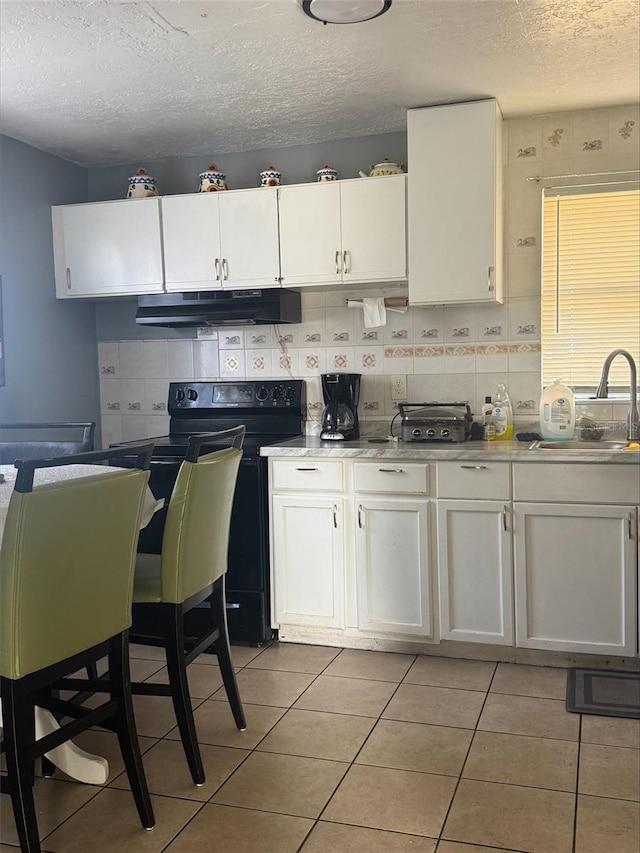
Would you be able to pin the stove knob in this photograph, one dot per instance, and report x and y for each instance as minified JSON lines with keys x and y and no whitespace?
{"x":262,"y":393}
{"x":416,"y":433}
{"x":445,"y":432}
{"x":430,"y":433}
{"x":290,"y":393}
{"x":192,"y":394}
{"x":276,"y":393}
{"x":180,"y":395}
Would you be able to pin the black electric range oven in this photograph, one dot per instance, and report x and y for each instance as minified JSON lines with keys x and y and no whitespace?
{"x":272,"y":411}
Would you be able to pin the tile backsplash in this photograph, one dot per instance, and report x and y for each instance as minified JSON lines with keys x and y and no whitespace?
{"x":448,"y":353}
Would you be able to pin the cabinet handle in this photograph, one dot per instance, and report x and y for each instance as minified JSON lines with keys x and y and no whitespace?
{"x":217,"y":266}
{"x":391,"y":470}
{"x":360,"y":524}
{"x":504,"y":517}
{"x":68,"y":279}
{"x":474,"y":467}
{"x":345,"y":261}
{"x":630,"y":525}
{"x":306,"y":469}
{"x":225,"y":269}
{"x":337,"y":263}
{"x":335,"y":516}
{"x":489,"y":279}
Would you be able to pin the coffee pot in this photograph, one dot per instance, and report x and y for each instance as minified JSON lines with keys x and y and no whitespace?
{"x":341,"y":392}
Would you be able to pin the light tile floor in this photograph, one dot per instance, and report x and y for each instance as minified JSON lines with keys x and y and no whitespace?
{"x":360,"y":752}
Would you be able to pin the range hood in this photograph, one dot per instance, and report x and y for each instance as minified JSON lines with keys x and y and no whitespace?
{"x":220,"y":308}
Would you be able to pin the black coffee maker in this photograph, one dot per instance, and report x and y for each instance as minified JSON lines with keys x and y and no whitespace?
{"x":341,"y":392}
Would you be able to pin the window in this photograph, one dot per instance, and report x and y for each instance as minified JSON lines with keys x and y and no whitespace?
{"x":590,"y":283}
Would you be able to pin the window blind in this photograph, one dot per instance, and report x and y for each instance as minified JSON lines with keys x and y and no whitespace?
{"x":590,"y":283}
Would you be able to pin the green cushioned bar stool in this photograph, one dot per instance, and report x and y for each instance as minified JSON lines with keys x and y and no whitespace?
{"x":66,"y":581}
{"x":190,"y":572}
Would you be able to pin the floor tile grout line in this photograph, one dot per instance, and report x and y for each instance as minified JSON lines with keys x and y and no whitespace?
{"x":575,"y":807}
{"x":457,"y":785}
{"x":353,"y":760}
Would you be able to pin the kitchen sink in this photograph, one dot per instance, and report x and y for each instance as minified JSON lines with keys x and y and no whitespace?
{"x":578,"y":444}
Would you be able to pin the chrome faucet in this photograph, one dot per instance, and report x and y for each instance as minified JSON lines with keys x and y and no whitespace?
{"x":633,"y":420}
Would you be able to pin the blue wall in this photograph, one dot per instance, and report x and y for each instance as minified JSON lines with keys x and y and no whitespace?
{"x":50,"y":348}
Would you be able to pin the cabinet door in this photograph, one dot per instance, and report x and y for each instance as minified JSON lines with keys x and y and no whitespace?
{"x":474,"y":571}
{"x":249,"y":238}
{"x":107,"y":248}
{"x":308,"y":560}
{"x":191,"y":232}
{"x":575,"y":577}
{"x":310,"y":246}
{"x":454,"y":203}
{"x":392,"y":567}
{"x":374,"y":229}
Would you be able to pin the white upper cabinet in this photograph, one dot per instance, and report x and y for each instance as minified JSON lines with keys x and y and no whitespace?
{"x":374,"y":234}
{"x":343,"y":232}
{"x":310,"y":241}
{"x":221,"y":240}
{"x":107,"y":248}
{"x":455,"y":203}
{"x":249,"y":238}
{"x":191,"y":233}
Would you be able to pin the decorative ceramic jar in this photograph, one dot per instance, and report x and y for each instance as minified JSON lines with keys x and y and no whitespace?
{"x":142,"y":185}
{"x":212,"y":181}
{"x":271,"y":177}
{"x":327,"y":173}
{"x":386,"y":167}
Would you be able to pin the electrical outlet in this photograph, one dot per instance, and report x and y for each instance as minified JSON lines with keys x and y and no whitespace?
{"x":398,"y":386}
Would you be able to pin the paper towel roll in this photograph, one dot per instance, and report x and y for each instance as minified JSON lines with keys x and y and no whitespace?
{"x":375,"y":313}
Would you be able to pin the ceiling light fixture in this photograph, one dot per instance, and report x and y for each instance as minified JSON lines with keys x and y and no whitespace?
{"x":344,"y":11}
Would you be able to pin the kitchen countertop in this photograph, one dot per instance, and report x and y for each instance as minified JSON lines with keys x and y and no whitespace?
{"x":496,"y":451}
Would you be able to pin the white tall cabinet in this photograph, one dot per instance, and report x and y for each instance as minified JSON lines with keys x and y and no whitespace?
{"x":455,"y":203}
{"x":107,"y":248}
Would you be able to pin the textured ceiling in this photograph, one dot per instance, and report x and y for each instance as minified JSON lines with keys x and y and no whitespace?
{"x":101,"y":83}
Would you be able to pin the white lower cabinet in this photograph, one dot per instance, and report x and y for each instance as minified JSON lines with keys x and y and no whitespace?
{"x":351,"y":560}
{"x":474,"y":545}
{"x":541,"y":555}
{"x":474,"y":571}
{"x":392,"y":566}
{"x":575,"y":577}
{"x":308,"y":560}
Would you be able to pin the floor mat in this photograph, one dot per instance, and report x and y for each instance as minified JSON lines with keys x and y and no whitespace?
{"x":603,"y":692}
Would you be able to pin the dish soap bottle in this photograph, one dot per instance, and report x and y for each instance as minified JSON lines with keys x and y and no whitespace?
{"x":557,"y":412}
{"x":489,"y":430}
{"x":502,"y":415}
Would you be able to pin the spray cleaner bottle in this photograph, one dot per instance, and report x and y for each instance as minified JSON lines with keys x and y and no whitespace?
{"x":502,"y":415}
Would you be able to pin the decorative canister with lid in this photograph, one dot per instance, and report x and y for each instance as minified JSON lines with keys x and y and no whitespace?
{"x":212,"y":180}
{"x":271,"y":177}
{"x":142,"y":185}
{"x":327,"y":173}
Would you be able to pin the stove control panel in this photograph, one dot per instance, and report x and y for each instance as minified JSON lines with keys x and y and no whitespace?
{"x":267,"y":394}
